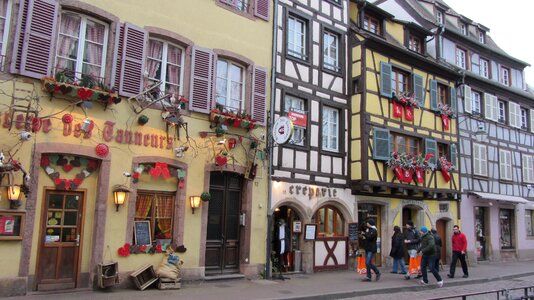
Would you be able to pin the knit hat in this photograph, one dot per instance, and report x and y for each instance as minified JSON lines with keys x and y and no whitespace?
{"x":424,"y":229}
{"x":371,"y":222}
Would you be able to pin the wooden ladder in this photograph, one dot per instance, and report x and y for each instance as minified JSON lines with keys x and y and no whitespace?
{"x":24,"y":100}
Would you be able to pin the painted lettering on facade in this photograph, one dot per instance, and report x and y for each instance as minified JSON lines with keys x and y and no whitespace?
{"x":311,"y":191}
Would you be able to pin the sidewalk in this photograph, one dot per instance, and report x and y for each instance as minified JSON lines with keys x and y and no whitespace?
{"x":326,"y":285}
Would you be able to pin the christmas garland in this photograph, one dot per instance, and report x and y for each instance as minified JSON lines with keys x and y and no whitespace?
{"x":159,"y":169}
{"x":90,"y":165}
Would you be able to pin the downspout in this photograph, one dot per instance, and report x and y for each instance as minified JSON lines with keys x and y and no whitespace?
{"x":268,"y":268}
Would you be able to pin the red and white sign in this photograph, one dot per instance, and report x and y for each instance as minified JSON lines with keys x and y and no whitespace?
{"x":282,"y":130}
{"x":298,"y":119}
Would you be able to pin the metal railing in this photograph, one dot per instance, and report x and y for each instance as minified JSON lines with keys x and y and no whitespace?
{"x":505,"y":294}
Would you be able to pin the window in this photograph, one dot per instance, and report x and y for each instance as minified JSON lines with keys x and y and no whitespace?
{"x":371,"y":24}
{"x":529,"y":227}
{"x":230,"y":85}
{"x":505,"y":76}
{"x":415,"y":44}
{"x":481,"y":37}
{"x":400,"y":81}
{"x":463,"y":28}
{"x":404,"y":144}
{"x":524,"y":118}
{"x":296,"y":37}
{"x":294,"y":104}
{"x":81,"y":46}
{"x":505,"y":162}
{"x":329,"y":221}
{"x":528,"y":168}
{"x":245,"y":8}
{"x":475,"y":96}
{"x":506,"y":228}
{"x":331,"y":51}
{"x":330,"y":129}
{"x":443,"y":94}
{"x":460,"y":58}
{"x":158,"y":208}
{"x":502,"y":111}
{"x":5,"y":15}
{"x":439,"y":17}
{"x":484,"y":68}
{"x":165,"y":62}
{"x":480,"y":159}
{"x":443,"y":150}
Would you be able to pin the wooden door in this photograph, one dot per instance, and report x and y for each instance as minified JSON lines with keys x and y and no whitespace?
{"x":222,"y":239}
{"x":60,"y":240}
{"x":441,"y":228}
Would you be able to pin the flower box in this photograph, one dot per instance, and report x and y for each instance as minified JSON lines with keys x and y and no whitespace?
{"x":83,"y":95}
{"x":231,"y":119}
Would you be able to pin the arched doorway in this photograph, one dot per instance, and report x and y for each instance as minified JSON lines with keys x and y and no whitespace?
{"x":291,"y":260}
{"x":330,"y":245}
{"x":366,"y":212}
{"x":415,"y":214}
{"x":441,"y":228}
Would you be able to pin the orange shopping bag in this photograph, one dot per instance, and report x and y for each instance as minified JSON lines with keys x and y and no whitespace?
{"x":361,"y":269}
{"x":415,"y":265}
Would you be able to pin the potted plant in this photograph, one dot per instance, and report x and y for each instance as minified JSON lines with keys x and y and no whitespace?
{"x":205,"y":196}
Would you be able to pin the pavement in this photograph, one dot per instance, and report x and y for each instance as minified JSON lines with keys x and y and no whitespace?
{"x":323,"y":285}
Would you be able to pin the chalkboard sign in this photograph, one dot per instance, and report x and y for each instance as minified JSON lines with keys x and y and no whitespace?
{"x":142,"y":233}
{"x":353,"y":231}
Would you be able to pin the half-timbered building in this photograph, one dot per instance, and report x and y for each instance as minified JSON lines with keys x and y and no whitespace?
{"x":310,"y":171}
{"x":496,"y":125}
{"x":403,"y":138}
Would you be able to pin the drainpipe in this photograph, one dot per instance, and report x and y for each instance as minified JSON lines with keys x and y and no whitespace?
{"x":268,"y":274}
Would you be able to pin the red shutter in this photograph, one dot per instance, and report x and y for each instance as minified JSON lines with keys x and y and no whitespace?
{"x":133,"y":60}
{"x":19,"y":36}
{"x":39,"y":36}
{"x":259,"y":96}
{"x":261,"y":9}
{"x":117,"y":56}
{"x":201,"y":80}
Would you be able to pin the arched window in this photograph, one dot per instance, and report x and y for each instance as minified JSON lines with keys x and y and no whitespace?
{"x":329,"y":221}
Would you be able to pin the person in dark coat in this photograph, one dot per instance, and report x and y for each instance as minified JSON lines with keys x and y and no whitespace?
{"x":397,"y":251}
{"x":370,"y":236}
{"x":411,"y":240}
{"x":428,"y":249}
{"x":281,"y":242}
{"x":437,"y":241}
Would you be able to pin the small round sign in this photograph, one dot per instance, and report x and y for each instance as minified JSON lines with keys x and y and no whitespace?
{"x":282,"y":130}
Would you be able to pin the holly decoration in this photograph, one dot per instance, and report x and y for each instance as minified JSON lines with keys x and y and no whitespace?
{"x":67,"y":164}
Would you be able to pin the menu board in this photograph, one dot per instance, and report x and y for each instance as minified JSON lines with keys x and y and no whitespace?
{"x":142,"y":233}
{"x":353,"y":231}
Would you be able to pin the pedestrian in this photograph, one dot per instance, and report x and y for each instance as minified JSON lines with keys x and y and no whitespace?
{"x":397,"y":251}
{"x":428,"y":249}
{"x":411,"y":240}
{"x":437,"y":241}
{"x":370,"y":236}
{"x":459,"y":248}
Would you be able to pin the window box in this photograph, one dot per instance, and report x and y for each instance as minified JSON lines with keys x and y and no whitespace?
{"x":405,"y":166}
{"x":237,"y":120}
{"x":83,"y":95}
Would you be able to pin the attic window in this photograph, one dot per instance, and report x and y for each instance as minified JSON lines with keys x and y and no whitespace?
{"x":439,"y":17}
{"x":463,"y":28}
{"x":371,"y":24}
{"x":482,"y":37}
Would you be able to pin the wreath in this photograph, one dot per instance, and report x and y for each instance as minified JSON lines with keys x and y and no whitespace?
{"x":68,"y":163}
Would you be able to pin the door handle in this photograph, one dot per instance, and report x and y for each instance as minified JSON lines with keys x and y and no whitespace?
{"x":223,"y":240}
{"x":77,"y":240}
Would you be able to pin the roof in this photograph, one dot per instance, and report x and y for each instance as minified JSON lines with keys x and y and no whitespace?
{"x":499,"y":197}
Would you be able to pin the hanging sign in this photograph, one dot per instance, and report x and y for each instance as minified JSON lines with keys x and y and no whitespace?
{"x":282,"y":130}
{"x":298,"y":119}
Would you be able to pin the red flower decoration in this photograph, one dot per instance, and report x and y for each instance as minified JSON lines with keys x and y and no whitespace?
{"x":67,"y":118}
{"x":158,"y":248}
{"x":45,"y":161}
{"x":58,"y":181}
{"x":135,"y":175}
{"x":84,"y":94}
{"x":142,"y":248}
{"x":102,"y":150}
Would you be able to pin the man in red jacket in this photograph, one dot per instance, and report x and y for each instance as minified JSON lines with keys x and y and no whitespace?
{"x":459,"y":248}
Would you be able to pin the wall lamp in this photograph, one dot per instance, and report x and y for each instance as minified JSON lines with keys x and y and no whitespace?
{"x":481,"y":134}
{"x":195,"y":202}
{"x":13,"y":195}
{"x":120,"y":195}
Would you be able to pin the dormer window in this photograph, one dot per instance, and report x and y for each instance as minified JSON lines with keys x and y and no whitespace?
{"x":463,"y":28}
{"x":439,"y":17}
{"x":371,"y":24}
{"x":482,"y":37}
{"x":415,"y":44}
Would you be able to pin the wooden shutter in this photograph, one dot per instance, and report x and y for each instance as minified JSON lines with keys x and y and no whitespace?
{"x":492,"y":107}
{"x":527,"y":165}
{"x":261,"y":9}
{"x":35,"y":38}
{"x":117,"y":55}
{"x":433,"y":95}
{"x":385,"y":79}
{"x":483,"y":160}
{"x":468,"y":100}
{"x":259,"y":95}
{"x":512,"y":114}
{"x":133,"y":60}
{"x":454,"y":155}
{"x":431,"y":146}
{"x":381,"y":148}
{"x":532,"y":120}
{"x":19,"y":37}
{"x":476,"y":159}
{"x":201,"y":80}
{"x":505,"y":161}
{"x":453,"y":100}
{"x":418,"y":89}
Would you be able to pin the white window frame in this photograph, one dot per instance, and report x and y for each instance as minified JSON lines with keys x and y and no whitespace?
{"x":484,"y":68}
{"x":330,"y":129}
{"x":491,"y":107}
{"x":331,"y":44}
{"x":476,"y":104}
{"x":5,"y":35}
{"x":481,"y":37}
{"x":480,"y":159}
{"x":528,"y":168}
{"x":292,"y":103}
{"x":505,"y":164}
{"x":296,"y":30}
{"x":501,"y":111}
{"x":463,"y":28}
{"x":163,"y":67}
{"x":524,"y":118}
{"x":228,"y":81}
{"x":81,"y":41}
{"x":505,"y":76}
{"x":439,"y":17}
{"x":461,"y":58}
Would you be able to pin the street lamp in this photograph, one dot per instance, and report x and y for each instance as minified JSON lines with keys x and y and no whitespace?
{"x":481,"y":134}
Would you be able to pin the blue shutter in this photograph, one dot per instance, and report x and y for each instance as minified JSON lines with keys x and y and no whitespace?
{"x":431,"y":146}
{"x":453,"y":101}
{"x":454,"y":156}
{"x":381,"y":144}
{"x":385,"y":79}
{"x":418,"y":89}
{"x":433,"y":95}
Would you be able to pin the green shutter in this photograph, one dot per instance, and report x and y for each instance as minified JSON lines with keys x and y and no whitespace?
{"x":431,"y":146}
{"x":454,"y":155}
{"x":418,"y":89}
{"x":433,"y":95}
{"x":385,"y":79}
{"x":453,"y":101}
{"x":381,"y":144}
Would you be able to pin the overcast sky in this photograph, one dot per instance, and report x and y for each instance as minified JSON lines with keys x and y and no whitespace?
{"x":510,"y":23}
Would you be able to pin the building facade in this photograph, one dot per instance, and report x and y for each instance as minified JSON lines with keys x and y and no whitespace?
{"x":101,"y":97}
{"x":310,"y":171}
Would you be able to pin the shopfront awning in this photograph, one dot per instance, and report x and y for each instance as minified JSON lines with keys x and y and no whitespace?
{"x":498,"y":197}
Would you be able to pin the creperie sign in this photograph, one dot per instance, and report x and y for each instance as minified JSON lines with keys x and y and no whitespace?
{"x":298,"y":119}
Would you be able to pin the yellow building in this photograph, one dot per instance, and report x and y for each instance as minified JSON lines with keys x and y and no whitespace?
{"x":404,"y":129}
{"x":165,"y":101}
